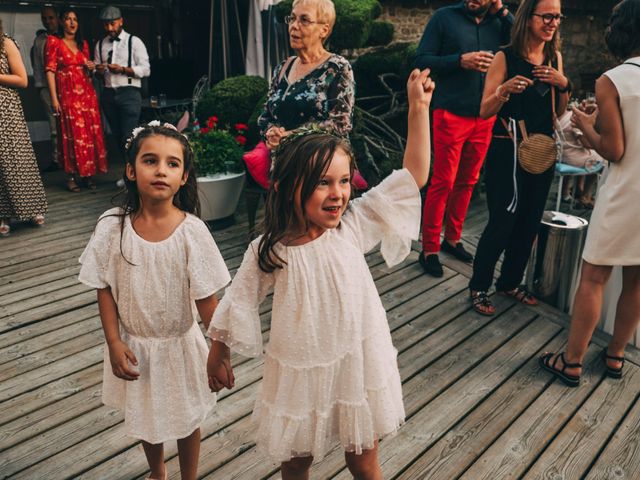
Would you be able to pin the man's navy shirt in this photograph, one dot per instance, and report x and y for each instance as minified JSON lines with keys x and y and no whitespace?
{"x":452,"y":31}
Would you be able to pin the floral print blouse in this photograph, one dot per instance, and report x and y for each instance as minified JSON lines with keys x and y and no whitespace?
{"x":324,"y":97}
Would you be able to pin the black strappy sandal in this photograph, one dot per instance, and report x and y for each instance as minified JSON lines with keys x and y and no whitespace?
{"x":569,"y":380}
{"x":521,"y":294}
{"x":610,"y":371}
{"x":480,"y":299}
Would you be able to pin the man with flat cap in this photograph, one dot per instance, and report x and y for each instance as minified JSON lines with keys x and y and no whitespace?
{"x":123,"y":61}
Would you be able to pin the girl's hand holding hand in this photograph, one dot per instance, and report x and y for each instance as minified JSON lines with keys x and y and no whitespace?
{"x":120,"y":356}
{"x":90,"y":65}
{"x":220,"y":375}
{"x":219,"y":371}
{"x":550,"y":75}
{"x":420,"y":88}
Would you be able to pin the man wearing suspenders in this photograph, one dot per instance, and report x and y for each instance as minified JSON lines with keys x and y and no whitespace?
{"x":123,"y":61}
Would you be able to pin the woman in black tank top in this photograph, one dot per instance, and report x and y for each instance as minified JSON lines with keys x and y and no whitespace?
{"x":518,"y":87}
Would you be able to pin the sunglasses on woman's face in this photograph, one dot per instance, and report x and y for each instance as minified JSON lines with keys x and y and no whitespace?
{"x":548,"y":18}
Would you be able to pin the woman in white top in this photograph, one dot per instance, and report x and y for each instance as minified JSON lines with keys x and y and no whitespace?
{"x":613,"y":237}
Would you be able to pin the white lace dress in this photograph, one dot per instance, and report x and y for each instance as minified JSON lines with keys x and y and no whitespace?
{"x":155,"y":298}
{"x":330,"y":368}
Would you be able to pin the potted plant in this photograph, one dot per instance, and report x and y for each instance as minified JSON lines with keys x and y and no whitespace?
{"x":219,"y":168}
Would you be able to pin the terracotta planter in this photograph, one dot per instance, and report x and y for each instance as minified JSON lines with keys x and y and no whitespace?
{"x":219,"y":194}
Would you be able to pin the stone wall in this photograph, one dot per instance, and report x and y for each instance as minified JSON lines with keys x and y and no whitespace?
{"x":584,"y":51}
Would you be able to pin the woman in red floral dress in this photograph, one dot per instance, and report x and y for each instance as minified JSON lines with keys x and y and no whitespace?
{"x":81,"y":141}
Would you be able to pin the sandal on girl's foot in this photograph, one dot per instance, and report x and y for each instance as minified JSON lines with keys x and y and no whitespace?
{"x":4,"y":228}
{"x":480,"y":303}
{"x":611,"y":371}
{"x":38,"y":220}
{"x":521,"y":294}
{"x":569,"y":380}
{"x":72,"y":185}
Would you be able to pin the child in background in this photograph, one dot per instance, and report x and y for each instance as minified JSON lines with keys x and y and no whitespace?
{"x":330,"y":369}
{"x":154,"y":264}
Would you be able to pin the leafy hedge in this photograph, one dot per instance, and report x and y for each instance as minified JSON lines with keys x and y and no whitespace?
{"x":232,"y":100}
{"x":397,"y":58}
{"x":381,"y":33}
{"x":354,"y":20}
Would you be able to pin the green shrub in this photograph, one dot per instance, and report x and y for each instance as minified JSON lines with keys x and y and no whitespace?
{"x":218,"y":151}
{"x":353,"y":21}
{"x":381,"y":33}
{"x":232,"y":100}
{"x":397,"y":58}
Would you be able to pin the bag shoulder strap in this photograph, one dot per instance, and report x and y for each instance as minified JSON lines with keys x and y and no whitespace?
{"x":286,"y":68}
{"x":631,"y":63}
{"x":100,"y":50}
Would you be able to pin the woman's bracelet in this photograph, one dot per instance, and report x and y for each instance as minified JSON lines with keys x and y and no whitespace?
{"x":499,"y":96}
{"x":569,"y":87}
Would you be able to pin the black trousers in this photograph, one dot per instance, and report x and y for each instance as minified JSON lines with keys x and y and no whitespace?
{"x":511,"y":231}
{"x":122,"y":107}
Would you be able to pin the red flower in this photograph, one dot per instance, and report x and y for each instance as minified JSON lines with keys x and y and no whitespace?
{"x":241,"y":126}
{"x":204,"y":130}
{"x":241,"y":139}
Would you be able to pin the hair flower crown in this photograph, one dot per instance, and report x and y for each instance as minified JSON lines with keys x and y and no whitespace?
{"x":153,"y":123}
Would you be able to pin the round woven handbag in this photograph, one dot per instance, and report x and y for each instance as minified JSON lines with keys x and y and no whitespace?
{"x":537,"y":152}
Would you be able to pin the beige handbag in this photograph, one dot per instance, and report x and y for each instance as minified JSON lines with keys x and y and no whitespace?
{"x":537,"y":152}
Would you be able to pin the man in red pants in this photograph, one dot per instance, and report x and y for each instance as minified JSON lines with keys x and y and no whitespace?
{"x":457,"y":45}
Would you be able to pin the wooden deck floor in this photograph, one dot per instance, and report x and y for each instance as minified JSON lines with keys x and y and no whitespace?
{"x":477,"y":405}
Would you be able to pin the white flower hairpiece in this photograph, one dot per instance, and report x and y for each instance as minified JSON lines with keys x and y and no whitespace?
{"x":153,"y":123}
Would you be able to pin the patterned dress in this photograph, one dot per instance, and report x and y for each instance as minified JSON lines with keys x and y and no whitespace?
{"x":325,"y":97}
{"x":81,"y":142}
{"x":21,"y":192}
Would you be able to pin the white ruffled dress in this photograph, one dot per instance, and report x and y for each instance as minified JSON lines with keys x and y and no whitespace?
{"x":330,"y":368}
{"x":157,"y":313}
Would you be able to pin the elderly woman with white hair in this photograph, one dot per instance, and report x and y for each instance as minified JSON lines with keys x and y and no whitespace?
{"x":312,"y":87}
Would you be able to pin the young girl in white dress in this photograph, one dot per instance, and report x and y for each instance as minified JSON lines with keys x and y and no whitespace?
{"x":155,"y":266}
{"x":330,"y":368}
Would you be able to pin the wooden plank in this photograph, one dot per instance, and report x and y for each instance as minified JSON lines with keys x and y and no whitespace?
{"x":26,"y":296}
{"x":47,"y":356}
{"x":40,"y":280}
{"x":23,"y":404}
{"x":621,"y":457}
{"x":40,"y":343}
{"x":31,"y":455}
{"x":73,"y":363}
{"x":41,"y":265}
{"x":43,"y":312}
{"x":51,"y":324}
{"x":511,"y":454}
{"x":571,"y":453}
{"x":450,"y":456}
{"x":45,"y":419}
